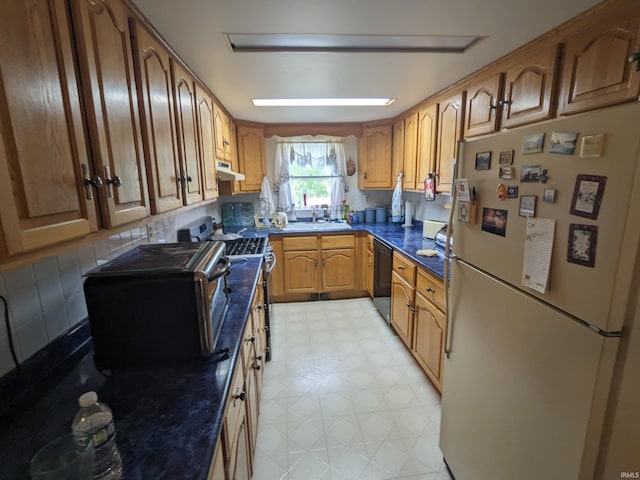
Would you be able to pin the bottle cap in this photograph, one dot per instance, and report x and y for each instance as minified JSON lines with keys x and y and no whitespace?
{"x":87,"y":399}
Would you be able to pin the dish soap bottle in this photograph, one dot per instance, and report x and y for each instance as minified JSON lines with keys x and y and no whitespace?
{"x":96,"y":420}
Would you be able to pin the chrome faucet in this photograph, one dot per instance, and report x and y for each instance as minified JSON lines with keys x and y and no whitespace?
{"x":314,"y":216}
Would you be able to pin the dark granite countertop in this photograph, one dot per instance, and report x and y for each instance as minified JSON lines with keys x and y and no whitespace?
{"x":167,"y":419}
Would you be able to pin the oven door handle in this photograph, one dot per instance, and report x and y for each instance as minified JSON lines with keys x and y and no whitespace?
{"x":271,"y":263}
{"x":221,"y":269}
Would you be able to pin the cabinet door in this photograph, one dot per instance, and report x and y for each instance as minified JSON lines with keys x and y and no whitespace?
{"x":42,"y":141}
{"x":483,"y":111}
{"x":427,"y":139}
{"x":338,"y":270}
{"x":429,"y":324}
{"x":251,"y":158}
{"x":597,"y":72}
{"x":449,"y":133}
{"x":301,"y":272}
{"x":397,"y":160}
{"x":252,"y":403}
{"x":375,"y":167}
{"x":277,"y":274}
{"x":369,"y":273}
{"x":410,"y":152}
{"x":240,"y":460}
{"x":206,"y":143}
{"x":185,"y":102}
{"x":216,"y":471}
{"x":223,"y":142}
{"x":153,"y":76}
{"x":104,"y":47}
{"x":529,"y":94}
{"x":401,"y":308}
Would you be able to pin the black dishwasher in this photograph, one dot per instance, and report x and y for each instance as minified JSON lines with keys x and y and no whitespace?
{"x":382,"y":267}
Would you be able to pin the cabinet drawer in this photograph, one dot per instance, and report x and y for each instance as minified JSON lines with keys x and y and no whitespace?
{"x":235,"y":408}
{"x":431,"y":288}
{"x":404,"y":267}
{"x":338,"y":241}
{"x":308,"y":242}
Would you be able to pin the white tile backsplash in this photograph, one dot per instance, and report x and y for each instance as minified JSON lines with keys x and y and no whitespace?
{"x":22,"y":293}
{"x":31,"y":336}
{"x":48,"y":284}
{"x":77,"y":308}
{"x":56,"y":321}
{"x":47,"y":298}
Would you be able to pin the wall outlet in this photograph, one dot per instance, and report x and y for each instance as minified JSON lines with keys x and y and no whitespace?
{"x":367,"y":198}
{"x":150,"y":231}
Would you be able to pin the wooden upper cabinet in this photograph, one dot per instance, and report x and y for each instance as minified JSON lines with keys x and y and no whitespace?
{"x":450,"y":120}
{"x":42,"y":140}
{"x":530,"y":88}
{"x":185,"y":102}
{"x":482,"y":114}
{"x":222,"y":134}
{"x":374,"y":169}
{"x":410,"y":152}
{"x":397,"y":157}
{"x":155,"y":93}
{"x":597,"y":71}
{"x":105,"y":54}
{"x":427,"y":140}
{"x":251,"y":159}
{"x":206,"y":142}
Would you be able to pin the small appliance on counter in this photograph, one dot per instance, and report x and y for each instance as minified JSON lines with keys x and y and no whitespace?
{"x":157,"y":304}
{"x":431,"y":227}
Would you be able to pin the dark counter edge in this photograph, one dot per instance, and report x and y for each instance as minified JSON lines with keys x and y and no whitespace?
{"x":43,"y":388}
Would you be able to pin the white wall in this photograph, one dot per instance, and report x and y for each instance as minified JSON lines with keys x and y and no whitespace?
{"x":46,"y":298}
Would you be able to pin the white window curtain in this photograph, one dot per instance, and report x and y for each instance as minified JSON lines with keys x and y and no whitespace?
{"x":328,"y":150}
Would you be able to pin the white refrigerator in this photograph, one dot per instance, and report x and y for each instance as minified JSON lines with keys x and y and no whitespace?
{"x":528,"y":371}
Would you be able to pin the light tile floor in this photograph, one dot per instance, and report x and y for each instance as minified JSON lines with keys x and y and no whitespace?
{"x":343,"y":399}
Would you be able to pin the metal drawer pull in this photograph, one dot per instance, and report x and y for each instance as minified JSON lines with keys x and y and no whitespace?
{"x":430,"y":290}
{"x":400,"y":267}
{"x":240,"y":396}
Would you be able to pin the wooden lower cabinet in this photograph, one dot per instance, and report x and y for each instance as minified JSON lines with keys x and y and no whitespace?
{"x":240,"y":426}
{"x":418,"y":315}
{"x":318,"y":263}
{"x":429,"y":332}
{"x":216,"y":471}
{"x":402,"y":294}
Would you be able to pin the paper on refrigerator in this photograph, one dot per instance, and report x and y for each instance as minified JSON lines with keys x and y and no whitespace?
{"x":538,"y":246}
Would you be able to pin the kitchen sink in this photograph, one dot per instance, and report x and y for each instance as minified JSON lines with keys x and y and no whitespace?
{"x":315,"y":226}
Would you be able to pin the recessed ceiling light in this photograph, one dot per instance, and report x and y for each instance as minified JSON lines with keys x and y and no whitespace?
{"x":322,"y":102}
{"x":285,"y":42}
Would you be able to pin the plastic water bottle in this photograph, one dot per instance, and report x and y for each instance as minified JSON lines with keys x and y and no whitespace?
{"x":96,"y":419}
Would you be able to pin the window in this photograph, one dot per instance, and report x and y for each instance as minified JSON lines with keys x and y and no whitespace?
{"x":310,"y":172}
{"x":312,"y":169}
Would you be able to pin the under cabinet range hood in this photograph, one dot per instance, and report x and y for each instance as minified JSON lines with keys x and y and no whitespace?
{"x":223,"y":169}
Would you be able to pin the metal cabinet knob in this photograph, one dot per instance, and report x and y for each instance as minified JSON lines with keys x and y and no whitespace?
{"x":430,"y":290}
{"x":251,"y":339}
{"x":240,"y":396}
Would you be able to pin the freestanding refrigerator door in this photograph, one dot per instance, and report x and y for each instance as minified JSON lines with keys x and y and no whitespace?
{"x":519,"y":385}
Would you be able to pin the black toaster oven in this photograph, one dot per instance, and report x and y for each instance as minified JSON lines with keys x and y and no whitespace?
{"x":157,"y":304}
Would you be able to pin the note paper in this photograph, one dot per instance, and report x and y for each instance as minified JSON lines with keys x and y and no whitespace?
{"x":538,"y":245}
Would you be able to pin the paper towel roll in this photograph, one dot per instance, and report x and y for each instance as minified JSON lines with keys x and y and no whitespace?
{"x":408,"y":214}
